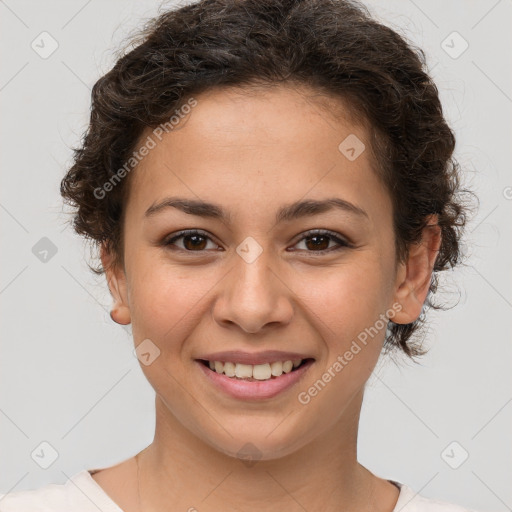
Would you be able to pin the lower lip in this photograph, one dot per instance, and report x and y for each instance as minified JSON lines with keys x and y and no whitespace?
{"x":255,"y":390}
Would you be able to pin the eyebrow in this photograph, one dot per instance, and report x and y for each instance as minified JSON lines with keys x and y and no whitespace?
{"x":288,"y":213}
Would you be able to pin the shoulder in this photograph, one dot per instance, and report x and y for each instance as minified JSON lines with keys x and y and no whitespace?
{"x":411,"y":501}
{"x":79,"y":492}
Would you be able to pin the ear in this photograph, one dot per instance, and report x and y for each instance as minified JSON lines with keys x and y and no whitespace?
{"x":414,"y":276}
{"x":116,"y":280}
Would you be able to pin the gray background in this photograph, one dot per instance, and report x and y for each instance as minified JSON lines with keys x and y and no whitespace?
{"x":68,"y":374}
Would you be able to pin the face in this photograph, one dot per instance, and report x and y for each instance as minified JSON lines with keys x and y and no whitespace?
{"x":259,"y":278}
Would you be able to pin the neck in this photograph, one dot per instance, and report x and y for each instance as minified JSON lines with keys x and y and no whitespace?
{"x":180,"y":468}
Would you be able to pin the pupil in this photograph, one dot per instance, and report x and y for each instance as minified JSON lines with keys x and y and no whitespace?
{"x":316,"y":245}
{"x":195,"y":244}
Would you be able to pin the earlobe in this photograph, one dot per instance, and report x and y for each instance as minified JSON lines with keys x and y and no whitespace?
{"x":116,"y":281}
{"x":414,"y":276}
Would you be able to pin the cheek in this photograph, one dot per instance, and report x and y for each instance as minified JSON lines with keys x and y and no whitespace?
{"x":347,"y":309}
{"x":168,"y":301}
{"x":348,"y":298}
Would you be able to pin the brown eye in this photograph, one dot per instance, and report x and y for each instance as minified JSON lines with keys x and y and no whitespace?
{"x":197,"y":241}
{"x":319,"y":241}
{"x":193,"y":241}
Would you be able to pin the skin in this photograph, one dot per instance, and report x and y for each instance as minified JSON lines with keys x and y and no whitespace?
{"x":252,"y":154}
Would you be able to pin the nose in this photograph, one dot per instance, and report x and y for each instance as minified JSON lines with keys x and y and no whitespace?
{"x":254,"y":295}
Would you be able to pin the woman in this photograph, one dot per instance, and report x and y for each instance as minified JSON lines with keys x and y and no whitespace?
{"x":272,"y":189}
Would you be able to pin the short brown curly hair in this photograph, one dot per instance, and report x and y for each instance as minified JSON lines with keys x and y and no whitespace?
{"x":333,"y":46}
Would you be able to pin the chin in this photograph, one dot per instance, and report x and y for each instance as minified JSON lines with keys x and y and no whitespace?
{"x":258,"y":444}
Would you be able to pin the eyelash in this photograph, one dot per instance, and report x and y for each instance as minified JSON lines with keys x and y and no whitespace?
{"x":318,"y":232}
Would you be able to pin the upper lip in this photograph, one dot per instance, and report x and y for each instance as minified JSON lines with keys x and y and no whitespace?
{"x":267,"y":356}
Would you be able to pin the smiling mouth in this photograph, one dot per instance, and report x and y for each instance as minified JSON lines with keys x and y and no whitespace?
{"x":257,"y":372}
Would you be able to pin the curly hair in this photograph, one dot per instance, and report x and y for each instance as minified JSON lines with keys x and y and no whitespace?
{"x":332,"y":46}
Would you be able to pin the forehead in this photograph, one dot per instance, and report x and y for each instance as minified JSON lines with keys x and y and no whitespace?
{"x":245,"y":145}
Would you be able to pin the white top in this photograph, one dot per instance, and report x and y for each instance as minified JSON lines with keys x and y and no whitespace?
{"x":81,"y":493}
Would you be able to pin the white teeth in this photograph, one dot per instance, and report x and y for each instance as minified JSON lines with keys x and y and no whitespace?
{"x":229,"y":369}
{"x":242,"y":370}
{"x":287,"y":366}
{"x":276,"y":368}
{"x":258,"y":371}
{"x":261,"y":371}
